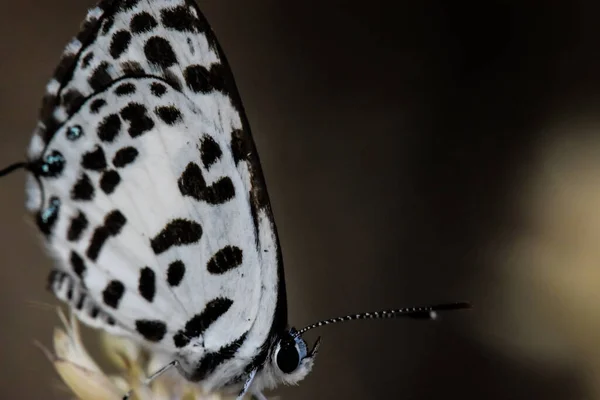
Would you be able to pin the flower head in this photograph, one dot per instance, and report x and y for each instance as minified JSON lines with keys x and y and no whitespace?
{"x":88,"y":381}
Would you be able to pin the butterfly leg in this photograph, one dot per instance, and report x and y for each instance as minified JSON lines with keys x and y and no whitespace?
{"x":247,"y":385}
{"x":152,"y":377}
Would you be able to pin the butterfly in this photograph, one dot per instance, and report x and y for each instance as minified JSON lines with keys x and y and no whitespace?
{"x":146,"y":185}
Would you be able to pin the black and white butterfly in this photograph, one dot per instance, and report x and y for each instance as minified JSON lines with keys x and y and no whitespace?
{"x":144,"y":180}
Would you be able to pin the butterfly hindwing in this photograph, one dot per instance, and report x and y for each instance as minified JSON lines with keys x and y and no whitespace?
{"x":151,"y":195}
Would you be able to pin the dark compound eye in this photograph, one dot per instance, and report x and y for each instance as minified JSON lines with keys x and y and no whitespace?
{"x":288,"y":357}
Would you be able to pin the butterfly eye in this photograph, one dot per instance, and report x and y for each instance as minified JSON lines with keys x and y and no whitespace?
{"x":288,"y":357}
{"x":291,"y":352}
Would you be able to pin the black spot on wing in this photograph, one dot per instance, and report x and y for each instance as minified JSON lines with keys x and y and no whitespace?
{"x":175,"y":273}
{"x":158,"y":89}
{"x":132,"y":68}
{"x":87,"y":59}
{"x":64,"y":68}
{"x":180,"y":340}
{"x":226,"y":259}
{"x":142,"y":22}
{"x":125,"y":156}
{"x":158,"y":51}
{"x":90,"y":25}
{"x":83,"y":189}
{"x":100,"y":78}
{"x":46,"y":219}
{"x":99,"y":237}
{"x":192,"y":183}
{"x":53,"y":277}
{"x":58,"y":281}
{"x":97,"y":105}
{"x":77,"y":264}
{"x":201,"y":80}
{"x":219,"y":192}
{"x":179,"y":18}
{"x":69,"y":291}
{"x":78,"y":224}
{"x":94,"y":312}
{"x":109,"y":181}
{"x":125,"y":89}
{"x":198,"y":324}
{"x":113,"y":223}
{"x":107,"y":24}
{"x":72,"y":100}
{"x":137,"y":116}
{"x":119,"y":43}
{"x":210,"y":152}
{"x":212,"y":360}
{"x":151,"y":330}
{"x":169,"y":114}
{"x":113,"y":293}
{"x":177,"y":232}
{"x":147,"y":284}
{"x":94,"y":160}
{"x":80,"y":301}
{"x":109,"y":128}
{"x":127,"y":5}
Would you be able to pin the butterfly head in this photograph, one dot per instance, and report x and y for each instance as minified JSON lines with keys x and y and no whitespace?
{"x":290,"y":358}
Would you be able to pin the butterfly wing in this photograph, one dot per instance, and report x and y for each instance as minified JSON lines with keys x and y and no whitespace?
{"x":148,"y":188}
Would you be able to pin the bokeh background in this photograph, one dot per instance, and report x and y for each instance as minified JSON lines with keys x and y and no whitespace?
{"x":416,"y":152}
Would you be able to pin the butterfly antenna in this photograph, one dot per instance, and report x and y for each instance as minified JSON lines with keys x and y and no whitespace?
{"x":13,"y":167}
{"x":427,"y":312}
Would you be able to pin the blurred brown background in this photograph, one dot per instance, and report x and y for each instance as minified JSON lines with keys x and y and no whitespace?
{"x":415,"y":153}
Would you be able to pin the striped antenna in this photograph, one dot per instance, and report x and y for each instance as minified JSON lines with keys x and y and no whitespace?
{"x":427,"y":312}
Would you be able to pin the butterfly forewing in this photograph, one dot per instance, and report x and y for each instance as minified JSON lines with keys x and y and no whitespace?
{"x":150,"y":192}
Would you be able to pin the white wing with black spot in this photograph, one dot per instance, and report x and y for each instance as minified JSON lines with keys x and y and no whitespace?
{"x":146,"y":184}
